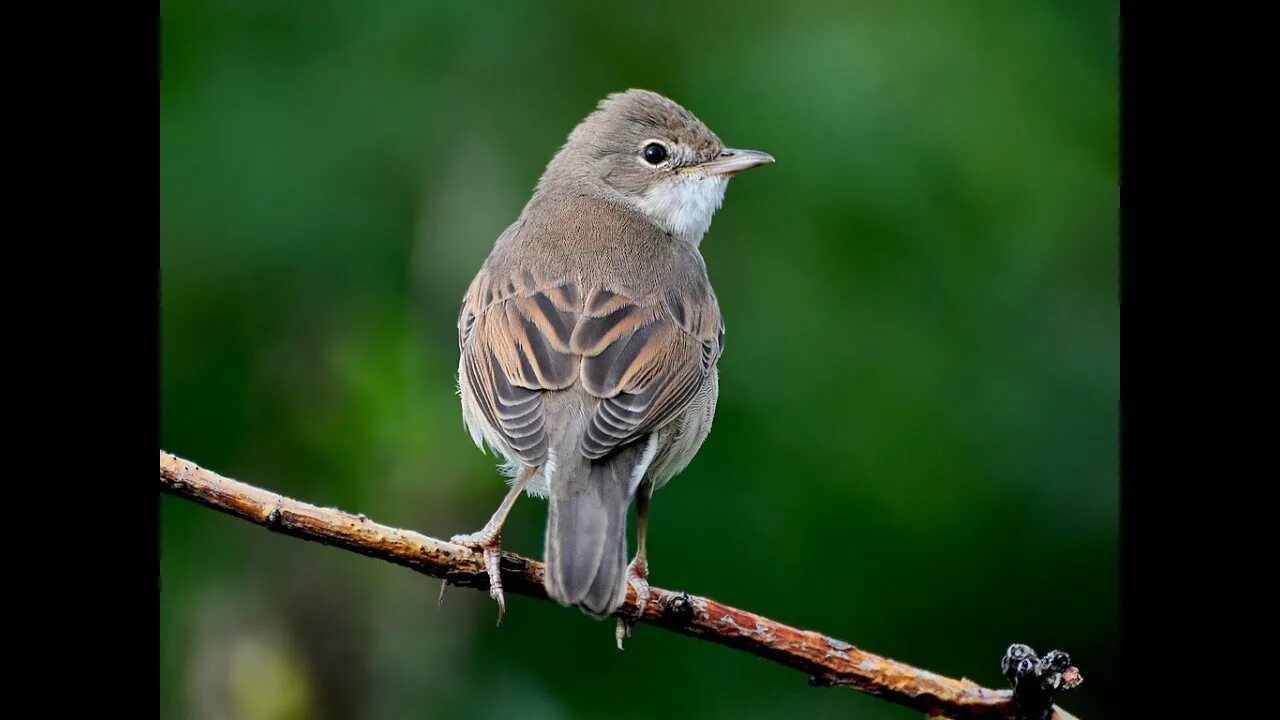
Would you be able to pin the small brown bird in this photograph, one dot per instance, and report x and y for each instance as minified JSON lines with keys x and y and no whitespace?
{"x":590,"y":337}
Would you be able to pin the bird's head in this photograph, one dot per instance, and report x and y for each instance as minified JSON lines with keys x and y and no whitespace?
{"x":645,"y":150}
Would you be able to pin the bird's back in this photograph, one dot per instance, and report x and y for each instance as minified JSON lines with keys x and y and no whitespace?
{"x":598,"y":243}
{"x":550,"y":313}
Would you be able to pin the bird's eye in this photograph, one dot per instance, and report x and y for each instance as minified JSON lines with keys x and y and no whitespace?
{"x":654,"y":153}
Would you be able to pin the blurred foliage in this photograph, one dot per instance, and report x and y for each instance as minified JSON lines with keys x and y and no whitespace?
{"x":931,"y":265}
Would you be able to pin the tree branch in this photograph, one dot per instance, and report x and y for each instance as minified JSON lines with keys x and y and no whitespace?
{"x":827,"y":661}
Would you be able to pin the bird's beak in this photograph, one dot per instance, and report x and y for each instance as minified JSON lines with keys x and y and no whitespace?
{"x":731,"y":161}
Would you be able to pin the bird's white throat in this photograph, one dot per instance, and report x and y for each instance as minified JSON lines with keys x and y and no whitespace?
{"x":685,"y":205}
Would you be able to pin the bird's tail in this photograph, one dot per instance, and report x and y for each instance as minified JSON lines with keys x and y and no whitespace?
{"x":586,"y":545}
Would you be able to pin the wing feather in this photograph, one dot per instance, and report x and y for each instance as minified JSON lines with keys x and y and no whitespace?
{"x":645,"y":358}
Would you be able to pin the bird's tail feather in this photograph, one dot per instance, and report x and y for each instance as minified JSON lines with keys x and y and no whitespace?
{"x":586,"y":543}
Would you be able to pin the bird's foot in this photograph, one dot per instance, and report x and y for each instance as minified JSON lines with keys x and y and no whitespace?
{"x":489,"y":543}
{"x":638,"y":578}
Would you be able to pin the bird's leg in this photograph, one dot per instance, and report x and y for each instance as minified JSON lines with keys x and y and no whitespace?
{"x":489,"y":539}
{"x":638,"y":570}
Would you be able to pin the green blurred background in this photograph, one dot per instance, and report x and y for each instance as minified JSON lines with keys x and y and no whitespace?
{"x":933,"y":260}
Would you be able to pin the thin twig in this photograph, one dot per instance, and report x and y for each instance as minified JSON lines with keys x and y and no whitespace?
{"x":828,"y":662}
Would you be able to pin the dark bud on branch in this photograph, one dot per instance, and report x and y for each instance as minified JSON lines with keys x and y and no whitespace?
{"x":1036,"y":680}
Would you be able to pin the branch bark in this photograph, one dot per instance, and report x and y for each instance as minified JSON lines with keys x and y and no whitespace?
{"x":828,"y":662}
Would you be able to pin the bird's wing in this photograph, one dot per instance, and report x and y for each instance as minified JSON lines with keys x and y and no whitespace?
{"x":514,"y":337}
{"x":645,"y":358}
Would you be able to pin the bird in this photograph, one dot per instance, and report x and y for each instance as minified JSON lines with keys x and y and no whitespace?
{"x":589,"y":342}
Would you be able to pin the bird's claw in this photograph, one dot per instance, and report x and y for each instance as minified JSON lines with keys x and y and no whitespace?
{"x":489,"y":544}
{"x":492,"y":560}
{"x":638,"y":578}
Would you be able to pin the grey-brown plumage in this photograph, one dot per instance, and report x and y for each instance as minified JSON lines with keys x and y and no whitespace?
{"x":590,"y":336}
